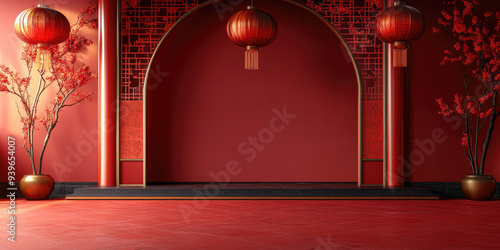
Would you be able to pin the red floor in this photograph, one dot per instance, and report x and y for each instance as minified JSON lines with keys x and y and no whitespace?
{"x":333,"y":224}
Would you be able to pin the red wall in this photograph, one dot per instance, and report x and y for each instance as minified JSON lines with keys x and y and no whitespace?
{"x":426,"y":80}
{"x":201,"y":117}
{"x":71,"y":154}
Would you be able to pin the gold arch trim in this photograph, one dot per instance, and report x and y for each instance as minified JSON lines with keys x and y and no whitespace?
{"x":328,"y":24}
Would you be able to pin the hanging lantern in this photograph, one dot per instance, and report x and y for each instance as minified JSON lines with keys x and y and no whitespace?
{"x":44,"y":27}
{"x":252,"y":28}
{"x":399,"y":25}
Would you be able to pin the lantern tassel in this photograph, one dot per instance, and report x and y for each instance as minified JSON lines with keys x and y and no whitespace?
{"x":42,"y":58}
{"x":252,"y":58}
{"x":400,"y":55}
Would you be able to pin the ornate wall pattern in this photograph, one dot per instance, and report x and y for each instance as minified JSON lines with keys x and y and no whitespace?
{"x":145,"y":22}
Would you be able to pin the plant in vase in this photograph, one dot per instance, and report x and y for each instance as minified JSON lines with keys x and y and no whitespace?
{"x":476,"y":50}
{"x":60,"y":70}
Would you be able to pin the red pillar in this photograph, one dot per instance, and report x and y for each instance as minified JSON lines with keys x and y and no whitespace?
{"x":395,"y":127}
{"x":108,"y":65}
{"x":395,"y":119}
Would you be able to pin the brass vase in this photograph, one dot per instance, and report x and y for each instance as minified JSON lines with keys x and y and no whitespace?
{"x":478,"y":187}
{"x":36,"y":187}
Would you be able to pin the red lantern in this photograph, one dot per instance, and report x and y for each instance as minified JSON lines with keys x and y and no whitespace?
{"x":399,"y":24}
{"x":44,"y":27}
{"x":252,"y":28}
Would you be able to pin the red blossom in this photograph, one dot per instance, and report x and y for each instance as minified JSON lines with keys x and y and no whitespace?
{"x":459,"y":103}
{"x":485,"y":31}
{"x":486,"y":114}
{"x":468,"y":6}
{"x":25,"y":82}
{"x":58,"y":100}
{"x":72,"y":58}
{"x":458,"y":23}
{"x":4,"y":79}
{"x":446,"y":16}
{"x":445,"y":109}
{"x":25,"y":129}
{"x":486,"y":76}
{"x":48,"y":119}
{"x":465,"y":140}
{"x":485,"y":97}
{"x":50,"y":78}
{"x":3,"y":88}
{"x":471,"y":107}
{"x":475,"y":20}
{"x":29,"y":53}
{"x":466,"y":48}
{"x":92,"y":24}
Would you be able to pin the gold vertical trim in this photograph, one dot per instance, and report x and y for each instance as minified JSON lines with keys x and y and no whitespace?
{"x":384,"y":49}
{"x":384,"y":81}
{"x":118,"y":90}
{"x":360,"y":133}
{"x":144,"y":126}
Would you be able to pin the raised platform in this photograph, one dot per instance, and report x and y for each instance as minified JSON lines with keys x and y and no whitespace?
{"x":252,"y":191}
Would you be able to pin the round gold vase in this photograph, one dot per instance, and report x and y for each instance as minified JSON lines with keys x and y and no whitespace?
{"x":478,"y":187}
{"x":36,"y":187}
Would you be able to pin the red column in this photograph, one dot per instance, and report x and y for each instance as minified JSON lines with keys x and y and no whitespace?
{"x":395,"y":127}
{"x":108,"y":65}
{"x":395,"y":119}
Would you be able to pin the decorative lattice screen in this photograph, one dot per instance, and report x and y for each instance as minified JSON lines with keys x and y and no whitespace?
{"x":144,"y":22}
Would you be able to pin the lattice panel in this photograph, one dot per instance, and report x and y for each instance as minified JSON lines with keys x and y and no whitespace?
{"x":131,"y":130}
{"x":373,"y":129}
{"x":144,"y":23}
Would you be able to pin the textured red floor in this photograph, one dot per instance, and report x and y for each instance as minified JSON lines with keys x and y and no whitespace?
{"x":333,"y":224}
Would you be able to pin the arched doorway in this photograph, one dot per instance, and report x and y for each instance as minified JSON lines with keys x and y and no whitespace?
{"x":294,"y":120}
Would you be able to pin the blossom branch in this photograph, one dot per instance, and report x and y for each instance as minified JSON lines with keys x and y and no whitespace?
{"x":476,"y":48}
{"x":63,"y":70}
